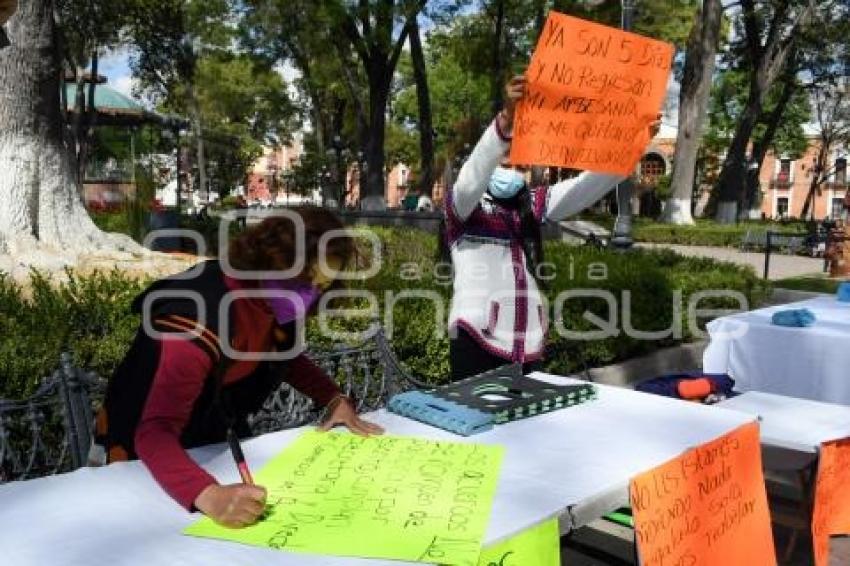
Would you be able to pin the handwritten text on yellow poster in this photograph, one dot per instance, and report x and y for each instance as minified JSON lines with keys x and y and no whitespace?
{"x":379,"y":497}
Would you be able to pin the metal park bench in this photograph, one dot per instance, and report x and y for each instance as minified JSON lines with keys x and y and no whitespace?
{"x":760,"y":241}
{"x":753,"y":239}
{"x":369,"y":373}
{"x":50,"y":432}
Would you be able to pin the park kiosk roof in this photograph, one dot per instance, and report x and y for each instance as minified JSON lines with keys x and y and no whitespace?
{"x":115,"y":108}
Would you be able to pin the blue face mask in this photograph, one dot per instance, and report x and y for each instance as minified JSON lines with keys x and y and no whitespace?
{"x":506,"y":183}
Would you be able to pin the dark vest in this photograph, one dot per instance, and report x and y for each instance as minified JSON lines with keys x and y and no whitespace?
{"x":218,"y":406}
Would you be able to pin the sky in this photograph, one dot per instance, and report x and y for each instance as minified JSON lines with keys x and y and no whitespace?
{"x":115,"y":67}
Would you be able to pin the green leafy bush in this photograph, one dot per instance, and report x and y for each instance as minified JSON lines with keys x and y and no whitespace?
{"x":90,"y":316}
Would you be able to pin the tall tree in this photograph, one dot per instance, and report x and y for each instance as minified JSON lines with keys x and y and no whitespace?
{"x":370,"y":28}
{"x":42,"y":219}
{"x":827,"y":75}
{"x":168,"y":37}
{"x":768,"y":50}
{"x":423,"y":97}
{"x":85,"y":29}
{"x":236,"y":131}
{"x":832,"y":110}
{"x":297,"y":33}
{"x":693,"y":103}
{"x":779,"y":128}
{"x":497,"y":71}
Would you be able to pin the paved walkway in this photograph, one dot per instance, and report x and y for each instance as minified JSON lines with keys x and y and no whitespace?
{"x":781,"y":265}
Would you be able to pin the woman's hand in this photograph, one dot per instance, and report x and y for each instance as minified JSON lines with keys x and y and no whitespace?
{"x":233,"y":506}
{"x":514,"y":91}
{"x":655,"y":127}
{"x":343,"y":413}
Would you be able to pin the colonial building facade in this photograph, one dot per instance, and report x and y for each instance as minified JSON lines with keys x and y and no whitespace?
{"x":786,"y":182}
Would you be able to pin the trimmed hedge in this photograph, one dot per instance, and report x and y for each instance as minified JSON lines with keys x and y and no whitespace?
{"x":90,"y":316}
{"x":704,"y":232}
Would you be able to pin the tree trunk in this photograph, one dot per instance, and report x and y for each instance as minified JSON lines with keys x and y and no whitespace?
{"x":372,"y":198}
{"x":761,"y":145}
{"x":79,"y":113}
{"x":768,"y":62}
{"x":423,"y":96}
{"x":818,"y":178}
{"x":89,"y":122}
{"x":693,"y":102}
{"x":539,"y":17}
{"x":732,"y":180}
{"x":42,"y":219}
{"x":200,"y":154}
{"x":496,"y":71}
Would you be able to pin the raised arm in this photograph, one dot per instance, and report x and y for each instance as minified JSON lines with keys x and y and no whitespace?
{"x":474,"y":176}
{"x":574,"y":195}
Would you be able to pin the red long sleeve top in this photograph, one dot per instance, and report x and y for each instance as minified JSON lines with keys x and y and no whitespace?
{"x":179,"y":379}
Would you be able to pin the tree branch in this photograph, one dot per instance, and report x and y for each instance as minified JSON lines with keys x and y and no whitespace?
{"x":349,"y":28}
{"x":752,"y":31}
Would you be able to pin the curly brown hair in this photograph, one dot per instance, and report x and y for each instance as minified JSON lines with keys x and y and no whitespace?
{"x":270,"y":245}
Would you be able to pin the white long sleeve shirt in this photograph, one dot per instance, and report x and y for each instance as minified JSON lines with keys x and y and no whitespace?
{"x":496,"y":299}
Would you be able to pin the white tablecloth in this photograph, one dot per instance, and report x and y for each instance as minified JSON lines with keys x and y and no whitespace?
{"x":809,"y":363}
{"x":553,"y":463}
{"x":794,"y":424}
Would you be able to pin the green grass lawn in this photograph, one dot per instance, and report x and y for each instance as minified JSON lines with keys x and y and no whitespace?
{"x":813,"y":283}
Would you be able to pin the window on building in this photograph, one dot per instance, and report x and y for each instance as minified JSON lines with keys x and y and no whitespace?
{"x":837,"y":210}
{"x":784,"y":171}
{"x":841,"y":171}
{"x":652,"y":167}
{"x":782,"y":207}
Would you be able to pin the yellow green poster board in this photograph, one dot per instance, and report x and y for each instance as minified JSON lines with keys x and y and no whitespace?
{"x":537,"y":546}
{"x":387,"y":497}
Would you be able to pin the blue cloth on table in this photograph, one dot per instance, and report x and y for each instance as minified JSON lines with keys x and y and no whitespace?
{"x":797,"y":318}
{"x":844,"y":292}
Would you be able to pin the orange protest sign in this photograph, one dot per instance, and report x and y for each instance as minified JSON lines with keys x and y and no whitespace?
{"x":706,"y":507}
{"x":592,"y":93}
{"x":831,"y":515}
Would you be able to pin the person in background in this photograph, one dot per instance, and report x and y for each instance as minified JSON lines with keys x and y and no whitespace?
{"x":493,"y":232}
{"x":425,"y":203}
{"x":172,"y":393}
{"x":410,"y":200}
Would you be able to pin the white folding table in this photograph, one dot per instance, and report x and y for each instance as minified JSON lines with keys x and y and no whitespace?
{"x":806,"y":363}
{"x":792,"y":431}
{"x":575,"y":463}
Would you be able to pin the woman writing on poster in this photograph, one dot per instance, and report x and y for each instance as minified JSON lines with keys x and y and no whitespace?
{"x":210,"y":351}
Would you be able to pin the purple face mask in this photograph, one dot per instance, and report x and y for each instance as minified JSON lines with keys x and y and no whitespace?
{"x":287,"y":307}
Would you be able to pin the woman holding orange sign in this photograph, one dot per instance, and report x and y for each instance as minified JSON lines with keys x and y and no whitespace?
{"x":493,"y":231}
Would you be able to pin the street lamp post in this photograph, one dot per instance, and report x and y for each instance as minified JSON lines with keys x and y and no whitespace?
{"x":622,"y":234}
{"x":338,"y":148}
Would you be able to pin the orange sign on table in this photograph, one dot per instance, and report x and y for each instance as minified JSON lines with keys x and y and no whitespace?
{"x":592,"y":92}
{"x":832,"y":497}
{"x":707,"y":507}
